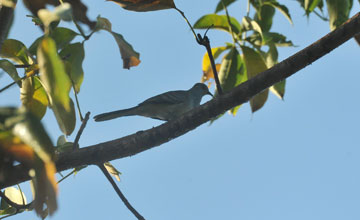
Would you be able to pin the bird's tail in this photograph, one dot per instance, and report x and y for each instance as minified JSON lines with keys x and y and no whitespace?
{"x":115,"y":114}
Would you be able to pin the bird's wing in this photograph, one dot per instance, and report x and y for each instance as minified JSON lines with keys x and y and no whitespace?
{"x":173,"y":97}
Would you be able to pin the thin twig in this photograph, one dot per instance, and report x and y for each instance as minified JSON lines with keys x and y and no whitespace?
{"x":22,"y":65}
{"x":120,"y":194}
{"x":67,"y":175}
{"x":11,"y":84}
{"x":82,"y":127}
{"x":187,"y":21}
{"x":229,"y":22}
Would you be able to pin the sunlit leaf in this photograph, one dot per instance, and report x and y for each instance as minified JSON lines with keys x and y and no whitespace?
{"x":112,"y":170}
{"x":255,"y":65}
{"x":250,"y":24}
{"x":128,"y":54}
{"x":220,"y":5}
{"x":62,"y":37}
{"x":10,"y":69}
{"x":33,"y":96}
{"x":15,"y":196}
{"x":16,"y":51}
{"x":338,"y":12}
{"x":279,"y":89}
{"x":310,"y":5}
{"x":61,"y":12}
{"x":145,"y":5}
{"x":232,"y":72}
{"x":282,"y":8}
{"x":53,"y":75}
{"x":218,"y":22}
{"x":75,"y":54}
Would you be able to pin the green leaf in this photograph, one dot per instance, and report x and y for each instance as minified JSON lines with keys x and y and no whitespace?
{"x":218,"y":22}
{"x":74,"y":54}
{"x":33,"y":96}
{"x":10,"y":69}
{"x":62,"y":37}
{"x":279,"y":89}
{"x":282,"y":8}
{"x":338,"y":12}
{"x":278,"y":39}
{"x":251,"y":25}
{"x":255,"y":65}
{"x":220,"y":5}
{"x":65,"y":118}
{"x":129,"y":56}
{"x":53,"y":76}
{"x":264,"y":17}
{"x":16,"y":51}
{"x":310,"y":5}
{"x":232,"y":71}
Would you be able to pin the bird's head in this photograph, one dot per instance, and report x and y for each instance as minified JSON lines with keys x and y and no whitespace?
{"x":201,"y":88}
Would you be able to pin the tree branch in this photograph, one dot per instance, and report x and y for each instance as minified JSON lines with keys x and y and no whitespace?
{"x":145,"y":140}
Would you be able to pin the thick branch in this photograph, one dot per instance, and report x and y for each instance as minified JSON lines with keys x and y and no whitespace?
{"x":145,"y":140}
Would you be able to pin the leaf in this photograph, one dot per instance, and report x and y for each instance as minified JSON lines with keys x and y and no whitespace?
{"x":338,"y":12}
{"x":145,"y":5}
{"x":74,"y":54}
{"x":251,"y":25}
{"x":15,"y":196}
{"x":279,"y":89}
{"x":220,"y":5}
{"x":33,"y":96}
{"x":62,"y":145}
{"x":79,"y":9}
{"x":310,"y":5}
{"x":232,"y":72}
{"x":206,"y":64}
{"x":112,"y":170}
{"x":57,"y":85}
{"x":128,"y":54}
{"x":255,"y":65}
{"x":28,"y":128}
{"x":264,"y":17}
{"x":66,"y":119}
{"x":10,"y":69}
{"x":218,"y":22}
{"x":61,"y":12}
{"x":62,"y":37}
{"x":282,"y":8}
{"x":277,"y":39}
{"x":53,"y":76}
{"x":16,"y":51}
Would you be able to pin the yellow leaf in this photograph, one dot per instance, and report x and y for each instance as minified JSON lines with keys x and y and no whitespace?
{"x":145,"y":5}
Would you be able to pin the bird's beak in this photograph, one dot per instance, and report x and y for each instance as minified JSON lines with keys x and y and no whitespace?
{"x":209,"y":93}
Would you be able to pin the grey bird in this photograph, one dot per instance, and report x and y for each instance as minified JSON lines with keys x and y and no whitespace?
{"x":166,"y":106}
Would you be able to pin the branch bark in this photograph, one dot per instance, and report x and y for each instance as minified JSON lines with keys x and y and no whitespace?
{"x":145,"y":140}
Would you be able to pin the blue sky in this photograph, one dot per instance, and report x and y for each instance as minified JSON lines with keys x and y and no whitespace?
{"x":293,"y":159}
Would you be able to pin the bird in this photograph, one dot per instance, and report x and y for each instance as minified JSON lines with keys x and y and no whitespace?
{"x":166,"y":106}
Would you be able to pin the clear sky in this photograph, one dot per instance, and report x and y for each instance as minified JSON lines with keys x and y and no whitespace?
{"x":295,"y":159}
